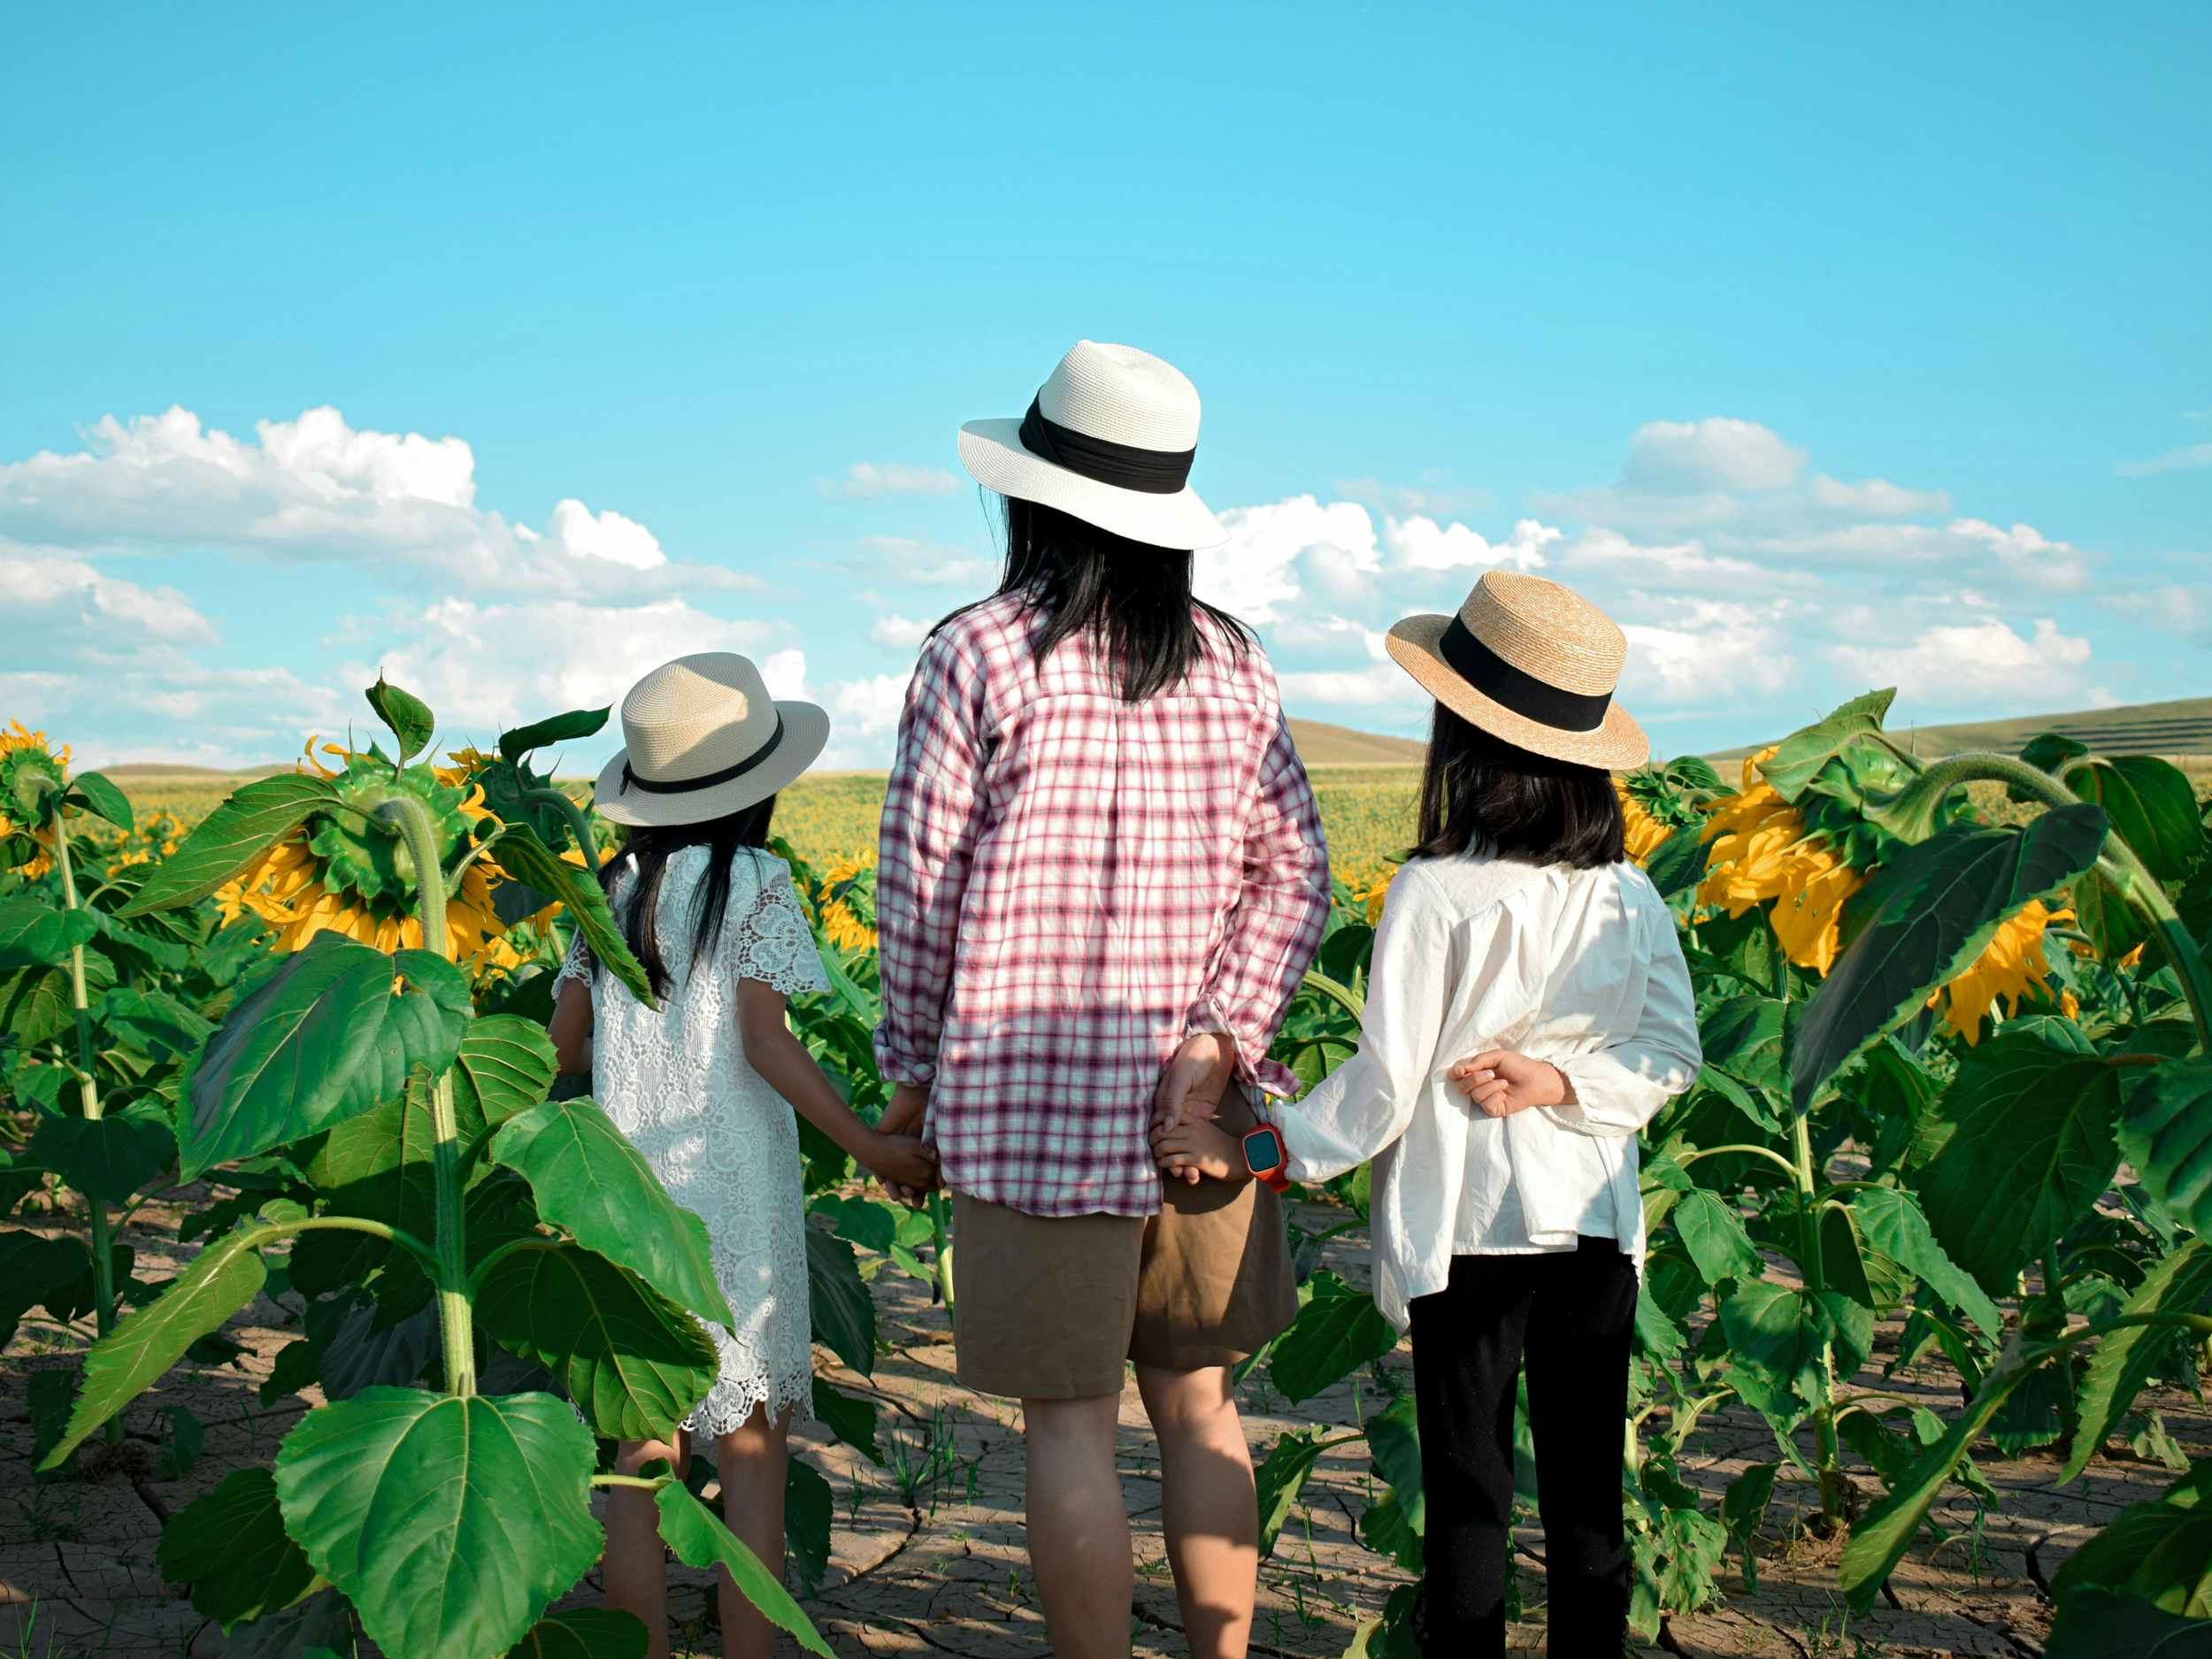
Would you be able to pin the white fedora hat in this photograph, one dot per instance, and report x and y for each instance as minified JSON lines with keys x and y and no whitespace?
{"x":1532,"y":663}
{"x":1109,"y":438}
{"x":701,"y":738}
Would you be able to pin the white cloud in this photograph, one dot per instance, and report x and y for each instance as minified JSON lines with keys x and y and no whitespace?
{"x":1721,"y":452}
{"x":62,"y":603}
{"x":2189,"y":459}
{"x":1876,"y":497}
{"x":1973,"y":665}
{"x":1714,"y":657}
{"x":864,"y":480}
{"x":1678,"y":567}
{"x":2170,"y":608}
{"x":2027,"y":555}
{"x":482,"y":667}
{"x":318,"y":489}
{"x":896,"y":632}
{"x":1254,"y":574}
{"x":869,"y":707}
{"x":784,"y":673}
{"x":1422,"y":544}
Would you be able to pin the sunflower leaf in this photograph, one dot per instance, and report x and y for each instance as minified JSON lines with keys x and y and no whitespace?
{"x":408,"y":716}
{"x":1922,"y":920}
{"x":1801,"y":755}
{"x":230,"y":839}
{"x":324,"y":1038}
{"x":558,"y":728}
{"x":699,"y":1538}
{"x":526,"y":859}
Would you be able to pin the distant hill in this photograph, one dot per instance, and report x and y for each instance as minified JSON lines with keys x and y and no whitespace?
{"x":2175,"y":729}
{"x":1321,"y":744}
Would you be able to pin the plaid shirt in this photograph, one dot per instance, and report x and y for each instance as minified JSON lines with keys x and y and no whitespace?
{"x":1071,"y":885}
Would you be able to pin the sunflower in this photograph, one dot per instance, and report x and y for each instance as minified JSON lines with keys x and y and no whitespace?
{"x":1372,"y":894}
{"x":334,"y":875}
{"x":1762,"y":851}
{"x":2010,"y":967}
{"x":24,"y":754}
{"x":1645,"y":833}
{"x":847,"y":912}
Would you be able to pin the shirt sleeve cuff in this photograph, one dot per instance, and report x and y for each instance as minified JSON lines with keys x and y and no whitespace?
{"x":1268,"y":1077}
{"x":899,"y":1068}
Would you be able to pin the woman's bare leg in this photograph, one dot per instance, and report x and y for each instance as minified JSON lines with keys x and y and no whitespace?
{"x":636,"y":1569}
{"x":754,"y":1461}
{"x":1078,"y":1526}
{"x":1207,"y":1505}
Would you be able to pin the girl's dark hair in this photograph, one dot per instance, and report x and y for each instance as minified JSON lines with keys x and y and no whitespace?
{"x":1479,"y":794}
{"x":1136,"y":595}
{"x":643,"y":861}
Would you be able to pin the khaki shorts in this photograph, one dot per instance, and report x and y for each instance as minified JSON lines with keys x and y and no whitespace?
{"x":1049,"y":1307}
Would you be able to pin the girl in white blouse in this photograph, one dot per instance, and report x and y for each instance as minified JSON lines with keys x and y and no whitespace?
{"x":1506,"y":1217}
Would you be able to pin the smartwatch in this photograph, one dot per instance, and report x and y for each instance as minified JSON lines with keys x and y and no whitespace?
{"x":1265,"y":1157}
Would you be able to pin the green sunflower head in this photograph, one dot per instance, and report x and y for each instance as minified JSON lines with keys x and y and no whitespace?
{"x":367,"y":865}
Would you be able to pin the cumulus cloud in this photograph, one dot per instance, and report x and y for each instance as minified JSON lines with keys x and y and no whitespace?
{"x":1877,"y":498}
{"x":1975,"y":665}
{"x":1420,"y":543}
{"x":63,"y":603}
{"x":1718,"y":452}
{"x":1255,"y":573}
{"x":864,"y":480}
{"x":896,"y":632}
{"x":319,"y":489}
{"x":1431,"y":497}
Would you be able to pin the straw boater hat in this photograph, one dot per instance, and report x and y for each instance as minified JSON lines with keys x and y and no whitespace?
{"x":1110,"y":439}
{"x":701,"y":739}
{"x":1533,"y":664}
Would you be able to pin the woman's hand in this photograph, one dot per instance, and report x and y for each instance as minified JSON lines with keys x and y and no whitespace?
{"x":902,"y":1118}
{"x":1501,"y":1082}
{"x":901,"y":1162}
{"x":1200,"y":1147}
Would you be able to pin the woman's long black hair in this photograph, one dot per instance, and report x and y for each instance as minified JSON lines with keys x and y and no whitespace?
{"x":1479,"y":794}
{"x":643,"y":861}
{"x":1136,"y":595}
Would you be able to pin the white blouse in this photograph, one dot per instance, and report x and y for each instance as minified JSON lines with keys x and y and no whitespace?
{"x":1577,"y":967}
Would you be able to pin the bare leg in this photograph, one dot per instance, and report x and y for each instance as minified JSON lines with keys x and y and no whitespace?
{"x":636,"y":1565}
{"x":1206,"y":1504}
{"x":1078,"y":1526}
{"x":753,"y":1460}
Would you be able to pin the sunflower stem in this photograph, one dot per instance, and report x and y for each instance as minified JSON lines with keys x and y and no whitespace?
{"x":1828,"y":1456}
{"x":456,"y":1321}
{"x":87,"y":1089}
{"x":578,"y":825}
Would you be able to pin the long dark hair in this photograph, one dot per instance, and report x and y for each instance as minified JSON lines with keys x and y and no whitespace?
{"x":1479,"y":794}
{"x":1136,"y":595}
{"x":643,"y":861}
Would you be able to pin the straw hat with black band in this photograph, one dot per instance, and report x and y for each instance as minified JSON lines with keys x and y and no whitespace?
{"x":702,"y":739}
{"x":1109,"y":438}
{"x":1532,"y":663}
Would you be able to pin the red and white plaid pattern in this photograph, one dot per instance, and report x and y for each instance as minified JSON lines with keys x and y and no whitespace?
{"x":1070,"y":885}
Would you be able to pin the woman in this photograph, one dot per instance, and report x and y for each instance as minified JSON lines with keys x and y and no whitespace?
{"x":1514,"y":934}
{"x":1103,"y":878}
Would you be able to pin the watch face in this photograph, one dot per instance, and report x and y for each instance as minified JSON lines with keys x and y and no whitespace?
{"x":1264,"y":1152}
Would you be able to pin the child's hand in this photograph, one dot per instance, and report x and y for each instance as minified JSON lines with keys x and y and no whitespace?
{"x":1501,"y":1082}
{"x":1199,"y":1148}
{"x":902,"y":1163}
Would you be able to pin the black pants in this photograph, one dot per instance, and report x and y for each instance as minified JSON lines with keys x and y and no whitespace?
{"x":1572,"y":1313}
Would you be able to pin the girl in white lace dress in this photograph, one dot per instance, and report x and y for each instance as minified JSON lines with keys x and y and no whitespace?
{"x":705,"y":1086}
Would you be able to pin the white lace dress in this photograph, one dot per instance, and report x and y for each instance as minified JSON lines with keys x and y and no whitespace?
{"x":724,"y":1143}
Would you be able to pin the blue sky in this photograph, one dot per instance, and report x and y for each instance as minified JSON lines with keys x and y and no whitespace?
{"x":516,"y":349}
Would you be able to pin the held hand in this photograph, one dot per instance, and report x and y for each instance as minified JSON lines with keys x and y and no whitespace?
{"x":902,"y":1163}
{"x":1501,"y":1082}
{"x":1194,"y":1081}
{"x":1199,"y":1148}
{"x":903,"y":1119}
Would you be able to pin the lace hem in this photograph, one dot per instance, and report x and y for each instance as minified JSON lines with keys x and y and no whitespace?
{"x":576,"y":965}
{"x":731,"y":1403}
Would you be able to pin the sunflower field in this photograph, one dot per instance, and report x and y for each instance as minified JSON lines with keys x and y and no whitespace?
{"x":1956,"y":1113}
